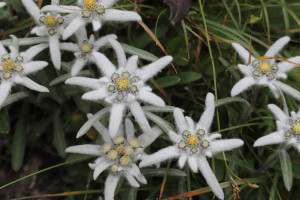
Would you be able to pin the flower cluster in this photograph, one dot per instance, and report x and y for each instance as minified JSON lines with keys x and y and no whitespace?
{"x":123,"y":91}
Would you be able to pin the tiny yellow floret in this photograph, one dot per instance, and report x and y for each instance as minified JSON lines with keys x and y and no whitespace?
{"x":114,"y":168}
{"x":134,"y":143}
{"x":106,"y":148}
{"x":120,"y":149}
{"x":128,"y":150}
{"x":125,"y":160}
{"x":123,"y":84}
{"x":50,"y":20}
{"x":89,"y":4}
{"x":112,"y":155}
{"x":193,"y":140}
{"x":8,"y":65}
{"x":265,"y":67}
{"x":85,"y":48}
{"x":296,"y":127}
{"x":118,"y":140}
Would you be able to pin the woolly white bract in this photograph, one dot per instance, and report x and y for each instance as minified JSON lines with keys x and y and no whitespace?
{"x":15,"y":66}
{"x":123,"y":87}
{"x":193,"y":143}
{"x":118,"y":155}
{"x":92,"y":11}
{"x":2,"y":4}
{"x":84,"y":48}
{"x":288,"y":129}
{"x":265,"y":72}
{"x":49,"y":25}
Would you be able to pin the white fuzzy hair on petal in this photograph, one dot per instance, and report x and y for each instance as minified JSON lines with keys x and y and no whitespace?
{"x":245,"y":70}
{"x":272,"y":138}
{"x":100,"y":168}
{"x":139,"y":116}
{"x":243,"y":53}
{"x":288,"y":89}
{"x":73,"y":27}
{"x":33,"y":66}
{"x":119,"y":51}
{"x":160,"y":156}
{"x":150,"y":97}
{"x":5,"y":87}
{"x":279,"y":114}
{"x":180,"y":121}
{"x":88,"y":149}
{"x":110,"y":186}
{"x":131,"y":180}
{"x":148,"y":138}
{"x":33,"y":85}
{"x":192,"y":161}
{"x":277,"y":46}
{"x":209,"y":176}
{"x":286,"y":66}
{"x":182,"y":160}
{"x":104,"y":64}
{"x":77,"y":66}
{"x":85,"y":82}
{"x":218,"y":146}
{"x":96,"y":95}
{"x":132,"y":64}
{"x":242,"y":85}
{"x":208,"y":114}
{"x":120,"y":15}
{"x":129,"y":129}
{"x":115,"y":120}
{"x":55,"y":51}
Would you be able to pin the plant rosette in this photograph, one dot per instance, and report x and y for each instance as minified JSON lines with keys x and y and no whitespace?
{"x":193,"y":143}
{"x":118,"y":155}
{"x":288,"y":129}
{"x":265,"y":72}
{"x":92,"y":11}
{"x":15,"y":67}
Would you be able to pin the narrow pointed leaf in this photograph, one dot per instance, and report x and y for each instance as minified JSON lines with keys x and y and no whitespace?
{"x":286,"y":167}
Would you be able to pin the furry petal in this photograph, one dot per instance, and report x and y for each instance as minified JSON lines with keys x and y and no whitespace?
{"x":5,"y":87}
{"x":192,"y":161}
{"x":209,"y":176}
{"x":277,"y":46}
{"x":85,"y":82}
{"x":272,"y":138}
{"x":224,"y":145}
{"x":147,"y":138}
{"x":180,"y":122}
{"x":60,"y":9}
{"x":2,"y":49}
{"x":285,"y":66}
{"x":132,"y":64}
{"x":88,"y":149}
{"x":55,"y":51}
{"x":110,"y":186}
{"x":120,"y":15}
{"x":96,"y":25}
{"x":243,"y":53}
{"x":182,"y":160}
{"x":96,"y":95}
{"x":33,"y":85}
{"x":139,"y":116}
{"x":100,"y":168}
{"x":152,"y":69}
{"x":104,"y":64}
{"x":208,"y":114}
{"x":131,"y":180}
{"x":102,"y":130}
{"x":279,"y":114}
{"x":69,"y":46}
{"x":151,"y":98}
{"x":32,"y":8}
{"x":104,"y":40}
{"x":34,"y":66}
{"x":160,"y":156}
{"x":129,"y":129}
{"x":119,"y":51}
{"x":73,"y":27}
{"x":134,"y":170}
{"x":116,"y":116}
{"x":77,"y":66}
{"x":242,"y":85}
{"x":288,"y":89}
{"x":245,"y":69}
{"x":30,"y":53}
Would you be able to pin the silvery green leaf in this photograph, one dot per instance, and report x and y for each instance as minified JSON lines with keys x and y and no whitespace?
{"x":286,"y":167}
{"x":26,"y":41}
{"x":91,"y":121}
{"x":163,"y":124}
{"x":64,"y":77}
{"x":228,"y":100}
{"x":139,"y":52}
{"x":13,"y":98}
{"x":67,"y":66}
{"x":162,"y":171}
{"x":159,"y":109}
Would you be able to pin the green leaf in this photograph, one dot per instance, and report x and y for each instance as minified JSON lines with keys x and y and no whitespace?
{"x":59,"y":136}
{"x":139,"y":52}
{"x":19,"y":141}
{"x":4,"y":122}
{"x":163,"y":124}
{"x":286,"y":167}
{"x":228,"y":100}
{"x":13,"y":98}
{"x":187,"y":77}
{"x":159,"y":109}
{"x":64,"y":77}
{"x":167,"y":81}
{"x":162,"y":171}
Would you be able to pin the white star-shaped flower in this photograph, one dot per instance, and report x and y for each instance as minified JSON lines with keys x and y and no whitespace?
{"x":84,"y":49}
{"x":118,"y":155}
{"x":265,"y":72}
{"x":92,"y":11}
{"x":123,"y":87}
{"x":49,"y":25}
{"x":15,"y":66}
{"x":193,"y":143}
{"x":2,"y":4}
{"x":288,"y":129}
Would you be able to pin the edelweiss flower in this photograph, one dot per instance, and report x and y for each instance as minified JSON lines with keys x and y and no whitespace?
{"x":49,"y":25}
{"x":288,"y":129}
{"x":2,"y":4}
{"x":193,"y":143}
{"x":92,"y":11}
{"x":123,"y":87}
{"x":15,"y":66}
{"x":265,"y":72}
{"x":84,"y":48}
{"x":118,"y":155}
